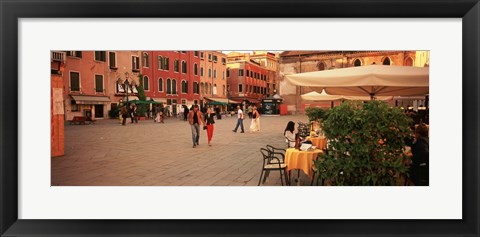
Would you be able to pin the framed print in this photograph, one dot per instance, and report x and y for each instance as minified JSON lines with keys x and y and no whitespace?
{"x":137,"y":90}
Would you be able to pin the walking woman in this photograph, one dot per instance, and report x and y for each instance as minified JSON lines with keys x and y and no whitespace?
{"x":210,"y":121}
{"x":255,"y":125}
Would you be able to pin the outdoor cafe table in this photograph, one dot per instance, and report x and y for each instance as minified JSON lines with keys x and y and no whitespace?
{"x":319,"y":142}
{"x":301,"y":160}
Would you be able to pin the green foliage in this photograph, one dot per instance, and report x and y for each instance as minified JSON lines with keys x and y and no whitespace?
{"x":314,"y":113}
{"x":141,"y":108}
{"x":113,"y":113}
{"x":356,"y":154}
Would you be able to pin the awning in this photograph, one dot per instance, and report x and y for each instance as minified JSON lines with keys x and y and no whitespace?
{"x":223,"y":100}
{"x":161,"y":100}
{"x":90,"y":99}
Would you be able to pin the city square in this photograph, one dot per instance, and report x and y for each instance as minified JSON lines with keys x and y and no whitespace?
{"x":149,"y":153}
{"x":342,"y":118}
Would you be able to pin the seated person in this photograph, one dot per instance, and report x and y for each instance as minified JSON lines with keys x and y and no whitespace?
{"x":289,"y":134}
{"x":420,"y":152}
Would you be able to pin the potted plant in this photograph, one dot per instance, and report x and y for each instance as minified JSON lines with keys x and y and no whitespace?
{"x":366,"y":142}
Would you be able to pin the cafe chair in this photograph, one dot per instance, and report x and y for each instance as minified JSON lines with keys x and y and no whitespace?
{"x":267,"y":167}
{"x":280,"y":154}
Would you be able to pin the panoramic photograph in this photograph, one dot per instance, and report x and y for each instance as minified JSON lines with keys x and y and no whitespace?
{"x":239,"y":118}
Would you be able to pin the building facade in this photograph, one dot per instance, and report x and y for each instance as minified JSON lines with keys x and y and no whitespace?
{"x":213,"y":77}
{"x":292,"y":62}
{"x":93,"y":81}
{"x":247,"y":79}
{"x":172,"y":77}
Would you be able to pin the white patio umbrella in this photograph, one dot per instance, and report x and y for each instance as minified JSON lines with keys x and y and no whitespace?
{"x":372,"y":80}
{"x":315,"y":96}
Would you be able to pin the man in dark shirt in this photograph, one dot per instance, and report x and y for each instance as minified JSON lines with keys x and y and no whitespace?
{"x":194,"y":119}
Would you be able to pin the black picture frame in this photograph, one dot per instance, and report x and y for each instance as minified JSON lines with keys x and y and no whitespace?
{"x":11,"y":11}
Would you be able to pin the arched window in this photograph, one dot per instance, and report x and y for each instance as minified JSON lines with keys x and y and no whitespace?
{"x":195,"y":69}
{"x":408,"y":62}
{"x":195,"y":87}
{"x":184,"y":67}
{"x":145,"y":83}
{"x":321,"y":66}
{"x":201,"y":71}
{"x":169,"y":86}
{"x":386,"y":61}
{"x":160,"y":84}
{"x":160,"y":62}
{"x":357,"y":63}
{"x":174,"y":86}
{"x":146,"y":61}
{"x":176,"y":65}
{"x":184,"y":87}
{"x":201,"y":88}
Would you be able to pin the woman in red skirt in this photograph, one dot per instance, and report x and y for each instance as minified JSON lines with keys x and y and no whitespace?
{"x":210,"y":121}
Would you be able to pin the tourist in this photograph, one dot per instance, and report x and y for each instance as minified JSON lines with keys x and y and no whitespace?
{"x":185,"y":112}
{"x":156,"y":115}
{"x":420,"y":152}
{"x":131,"y":113}
{"x":210,"y":121}
{"x":161,"y":114}
{"x":194,"y":118}
{"x":255,"y":124}
{"x":289,"y":134}
{"x":217,"y":111}
{"x":250,"y":111}
{"x":240,"y":120}
{"x":135,"y":115}
{"x":124,"y":115}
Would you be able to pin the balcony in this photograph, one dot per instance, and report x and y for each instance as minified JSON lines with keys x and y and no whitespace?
{"x":57,"y":56}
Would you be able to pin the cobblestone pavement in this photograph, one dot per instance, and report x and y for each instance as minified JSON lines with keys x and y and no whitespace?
{"x":147,"y":153}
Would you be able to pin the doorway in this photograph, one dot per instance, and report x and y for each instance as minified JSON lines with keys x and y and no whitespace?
{"x":99,"y":111}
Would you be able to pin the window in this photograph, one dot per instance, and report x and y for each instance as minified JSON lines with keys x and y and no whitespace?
{"x":160,"y":62}
{"x":184,"y":52}
{"x":214,"y":73}
{"x":195,"y":53}
{"x":145,"y":83}
{"x":215,"y":58}
{"x":387,"y":61}
{"x":174,"y":86}
{"x":135,"y":63}
{"x":223,"y":91}
{"x":224,"y":61}
{"x":99,"y":83}
{"x":201,"y":55}
{"x":112,"y":57}
{"x":209,"y":72}
{"x":160,"y":85}
{"x":101,"y":56}
{"x":201,"y":71}
{"x":184,"y":67}
{"x":228,"y":73}
{"x":184,"y":87}
{"x":76,"y":54}
{"x":120,"y":88}
{"x":169,"y":86}
{"x":240,"y":88}
{"x":146,"y":60}
{"x":214,"y":91}
{"x":176,"y":65}
{"x":166,"y":63}
{"x":248,"y":72}
{"x":195,"y":69}
{"x":223,"y":75}
{"x":251,"y":73}
{"x":74,"y":81}
{"x":195,"y":88}
{"x":202,"y":88}
{"x":356,"y":63}
{"x":240,"y":72}
{"x":209,"y":57}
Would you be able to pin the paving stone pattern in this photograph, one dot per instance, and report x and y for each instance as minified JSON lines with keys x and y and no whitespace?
{"x":152,"y":154}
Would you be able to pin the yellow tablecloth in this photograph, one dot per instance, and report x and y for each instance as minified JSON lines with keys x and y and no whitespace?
{"x":303,"y":160}
{"x":319,"y":142}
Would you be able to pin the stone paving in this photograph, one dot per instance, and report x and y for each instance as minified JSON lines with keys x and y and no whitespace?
{"x":152,"y":154}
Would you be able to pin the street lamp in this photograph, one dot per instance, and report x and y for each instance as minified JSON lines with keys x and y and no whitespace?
{"x":126,"y":85}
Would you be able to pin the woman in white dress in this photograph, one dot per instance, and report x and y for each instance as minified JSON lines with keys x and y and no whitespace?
{"x":255,"y":125}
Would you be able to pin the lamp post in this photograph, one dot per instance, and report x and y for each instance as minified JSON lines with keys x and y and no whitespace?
{"x":126,"y":85}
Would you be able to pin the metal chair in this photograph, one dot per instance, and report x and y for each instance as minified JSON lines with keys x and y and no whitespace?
{"x":269,"y":166}
{"x":280,"y":154}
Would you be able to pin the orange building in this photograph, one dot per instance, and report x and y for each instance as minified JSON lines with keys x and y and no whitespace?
{"x":213,"y":77}
{"x":57,"y":141}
